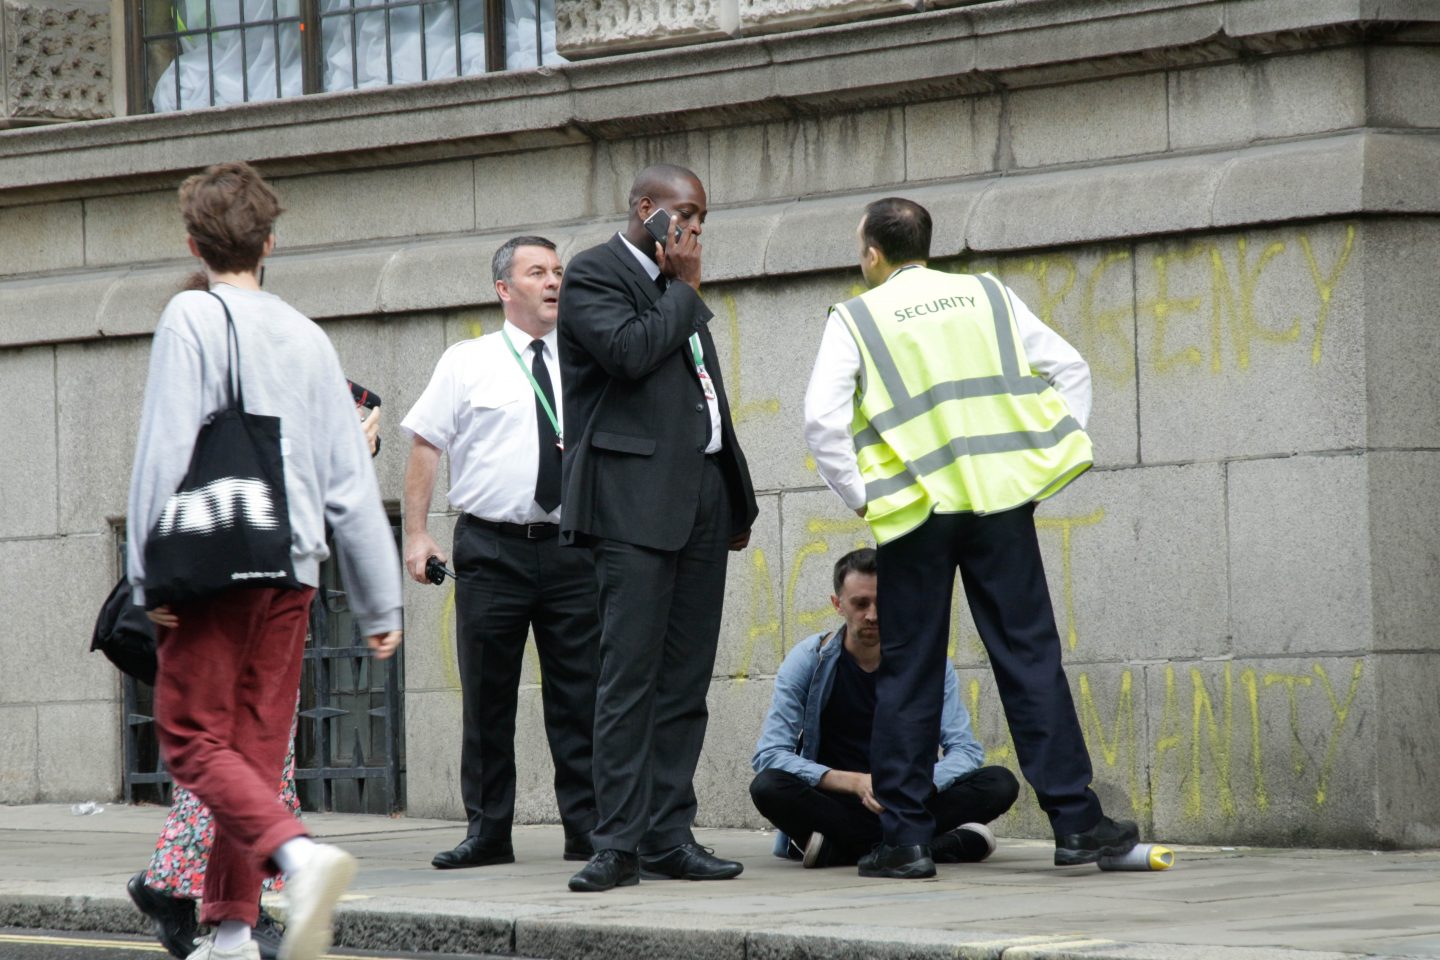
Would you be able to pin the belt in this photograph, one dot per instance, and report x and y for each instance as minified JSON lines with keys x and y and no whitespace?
{"x":523,"y":531}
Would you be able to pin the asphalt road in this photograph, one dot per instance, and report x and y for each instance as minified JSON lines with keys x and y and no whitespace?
{"x":52,"y":945}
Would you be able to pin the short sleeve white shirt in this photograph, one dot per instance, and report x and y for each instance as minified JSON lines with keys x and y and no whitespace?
{"x":479,"y":408}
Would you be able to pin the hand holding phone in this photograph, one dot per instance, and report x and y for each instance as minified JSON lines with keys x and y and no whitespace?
{"x":677,"y":250}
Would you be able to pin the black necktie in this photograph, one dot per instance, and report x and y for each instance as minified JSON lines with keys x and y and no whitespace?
{"x":547,"y":478}
{"x":661,"y":281}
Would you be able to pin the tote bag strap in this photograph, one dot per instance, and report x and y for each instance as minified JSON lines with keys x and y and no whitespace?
{"x":234,"y":390}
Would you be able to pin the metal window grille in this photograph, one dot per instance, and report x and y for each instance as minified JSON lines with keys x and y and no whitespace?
{"x":350,"y":741}
{"x":185,"y":54}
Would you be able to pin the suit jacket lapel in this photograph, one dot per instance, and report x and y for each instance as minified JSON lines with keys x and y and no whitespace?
{"x":632,"y":268}
{"x":621,"y":253}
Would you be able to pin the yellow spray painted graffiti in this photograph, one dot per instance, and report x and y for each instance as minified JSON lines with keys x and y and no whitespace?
{"x":1232,"y":740}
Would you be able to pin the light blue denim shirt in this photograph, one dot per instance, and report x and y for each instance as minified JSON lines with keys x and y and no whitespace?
{"x":790,"y":738}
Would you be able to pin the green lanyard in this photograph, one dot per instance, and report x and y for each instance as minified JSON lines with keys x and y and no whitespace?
{"x":696,"y":352}
{"x":539,"y":394}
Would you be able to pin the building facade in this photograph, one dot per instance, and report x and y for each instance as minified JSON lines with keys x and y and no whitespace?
{"x":1228,"y":206}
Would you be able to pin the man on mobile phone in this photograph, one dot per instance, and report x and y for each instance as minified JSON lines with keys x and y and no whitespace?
{"x":656,"y":485}
{"x":493,"y":405}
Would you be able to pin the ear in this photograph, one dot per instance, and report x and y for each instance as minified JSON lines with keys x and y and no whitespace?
{"x":503,"y":290}
{"x":193,"y":246}
{"x":269,"y":245}
{"x":835,"y":602}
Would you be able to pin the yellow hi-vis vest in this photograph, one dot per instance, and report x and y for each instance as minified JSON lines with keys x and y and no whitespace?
{"x":949,"y":417}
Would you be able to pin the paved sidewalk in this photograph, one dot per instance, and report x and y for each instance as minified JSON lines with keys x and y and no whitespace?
{"x":63,"y":871}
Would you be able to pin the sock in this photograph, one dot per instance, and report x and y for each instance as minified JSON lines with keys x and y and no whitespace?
{"x":232,"y":935}
{"x":294,"y":854}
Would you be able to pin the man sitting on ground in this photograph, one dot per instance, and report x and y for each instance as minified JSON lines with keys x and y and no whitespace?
{"x":813,"y":758}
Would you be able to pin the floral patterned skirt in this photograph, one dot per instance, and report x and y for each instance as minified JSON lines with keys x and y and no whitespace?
{"x":178,"y":867}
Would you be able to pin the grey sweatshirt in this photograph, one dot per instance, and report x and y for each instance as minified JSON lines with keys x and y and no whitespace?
{"x":288,"y":370}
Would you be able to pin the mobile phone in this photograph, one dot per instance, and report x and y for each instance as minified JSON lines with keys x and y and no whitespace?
{"x":656,"y":225}
{"x":368,"y":399}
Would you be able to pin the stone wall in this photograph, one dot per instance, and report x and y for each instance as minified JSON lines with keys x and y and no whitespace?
{"x":1228,"y":206}
{"x":54,"y":61}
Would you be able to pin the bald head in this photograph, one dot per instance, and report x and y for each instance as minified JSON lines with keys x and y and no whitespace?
{"x":662,"y":180}
{"x":675,"y":189}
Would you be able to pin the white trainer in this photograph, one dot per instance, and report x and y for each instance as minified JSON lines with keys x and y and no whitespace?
{"x":813,"y":849}
{"x":313,"y":892}
{"x":205,"y":949}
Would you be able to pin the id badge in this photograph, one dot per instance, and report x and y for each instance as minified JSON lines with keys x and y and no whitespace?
{"x":707,"y":385}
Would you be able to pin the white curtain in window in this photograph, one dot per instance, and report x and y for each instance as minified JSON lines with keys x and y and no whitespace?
{"x":262,"y":59}
{"x":520,"y":34}
{"x":259,"y":57}
{"x":405,"y":43}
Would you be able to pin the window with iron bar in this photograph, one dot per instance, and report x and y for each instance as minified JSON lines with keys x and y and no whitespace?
{"x":185,"y":54}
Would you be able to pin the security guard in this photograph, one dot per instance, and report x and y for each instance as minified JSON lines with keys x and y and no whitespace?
{"x":942,"y":410}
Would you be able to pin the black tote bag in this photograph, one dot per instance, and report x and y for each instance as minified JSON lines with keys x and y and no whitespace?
{"x":228,"y":523}
{"x":125,"y":635}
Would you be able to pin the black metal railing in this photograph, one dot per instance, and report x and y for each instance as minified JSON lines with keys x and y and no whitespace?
{"x":350,"y":739}
{"x":350,"y":742}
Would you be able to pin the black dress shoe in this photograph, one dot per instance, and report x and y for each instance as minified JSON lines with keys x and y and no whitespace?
{"x":475,"y":852}
{"x":908,"y":862}
{"x":578,"y":849}
{"x":689,"y":861}
{"x":174,"y":917}
{"x":607,"y":870}
{"x":267,"y":935}
{"x":1108,"y":838}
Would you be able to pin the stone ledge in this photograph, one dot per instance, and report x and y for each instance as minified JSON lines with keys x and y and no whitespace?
{"x":1346,"y":175}
{"x":900,"y":60}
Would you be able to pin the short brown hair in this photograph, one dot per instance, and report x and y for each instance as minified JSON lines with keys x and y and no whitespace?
{"x":230,"y":211}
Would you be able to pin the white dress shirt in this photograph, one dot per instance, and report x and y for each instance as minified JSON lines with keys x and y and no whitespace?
{"x":479,"y":408}
{"x":652,"y":269}
{"x":831,"y":396}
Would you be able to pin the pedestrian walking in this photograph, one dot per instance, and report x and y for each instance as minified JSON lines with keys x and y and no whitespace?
{"x":237,"y":359}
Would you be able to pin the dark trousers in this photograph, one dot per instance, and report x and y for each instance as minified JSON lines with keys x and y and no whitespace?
{"x":998,"y":557}
{"x":799,"y":809}
{"x":661,"y":622}
{"x":505,"y":586}
{"x":224,"y":703}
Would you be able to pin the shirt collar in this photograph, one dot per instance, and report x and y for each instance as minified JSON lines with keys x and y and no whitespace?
{"x":650,"y":267}
{"x":522,"y":340}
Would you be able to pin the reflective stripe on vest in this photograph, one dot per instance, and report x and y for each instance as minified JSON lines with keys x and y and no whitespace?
{"x":916,"y":449}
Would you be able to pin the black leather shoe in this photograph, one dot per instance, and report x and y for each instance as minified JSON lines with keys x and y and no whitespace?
{"x":1108,"y":838}
{"x":909,"y":862}
{"x":578,"y":849}
{"x":475,"y":852}
{"x":174,"y":917}
{"x":607,"y":870}
{"x":267,"y":935}
{"x":689,"y":861}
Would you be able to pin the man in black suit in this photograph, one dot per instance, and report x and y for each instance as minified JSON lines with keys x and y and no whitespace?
{"x":655,"y":483}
